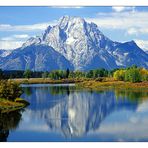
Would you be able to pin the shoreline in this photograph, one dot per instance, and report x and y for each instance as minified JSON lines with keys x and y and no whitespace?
{"x":86,"y":83}
{"x":44,"y":81}
{"x":94,"y":85}
{"x":90,"y":84}
{"x":7,"y":106}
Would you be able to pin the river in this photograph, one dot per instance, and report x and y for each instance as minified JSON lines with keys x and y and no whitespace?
{"x":62,"y":112}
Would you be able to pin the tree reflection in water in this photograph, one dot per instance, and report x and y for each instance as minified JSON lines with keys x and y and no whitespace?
{"x":131,"y":95}
{"x":27,"y":91}
{"x":8,"y":121}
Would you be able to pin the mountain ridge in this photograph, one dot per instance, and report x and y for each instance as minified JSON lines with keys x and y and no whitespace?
{"x":79,"y":45}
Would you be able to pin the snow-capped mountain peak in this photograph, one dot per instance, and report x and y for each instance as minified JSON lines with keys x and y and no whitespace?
{"x":77,"y":40}
{"x":83,"y":46}
{"x":66,"y":21}
{"x":32,"y":41}
{"x":46,"y":32}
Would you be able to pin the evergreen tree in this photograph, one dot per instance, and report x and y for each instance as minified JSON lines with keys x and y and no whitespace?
{"x":67,"y":73}
{"x":45,"y":74}
{"x":1,"y":74}
{"x":27,"y":74}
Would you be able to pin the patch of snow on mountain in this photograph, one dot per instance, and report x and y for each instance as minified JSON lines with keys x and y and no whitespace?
{"x":119,"y":63}
{"x":70,"y":40}
{"x":125,"y":54}
{"x":32,"y":41}
{"x":6,"y":53}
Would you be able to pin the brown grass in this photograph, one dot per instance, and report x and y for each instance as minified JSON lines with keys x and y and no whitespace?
{"x":114,"y":84}
{"x":45,"y":81}
{"x":87,"y":83}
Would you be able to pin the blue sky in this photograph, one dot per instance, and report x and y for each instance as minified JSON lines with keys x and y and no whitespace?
{"x":17,"y":24}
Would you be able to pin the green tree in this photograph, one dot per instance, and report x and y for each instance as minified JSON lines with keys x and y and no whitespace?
{"x":27,"y":74}
{"x":90,"y":74}
{"x":1,"y":74}
{"x":144,"y":74}
{"x":45,"y":75}
{"x":119,"y":74}
{"x":133,"y":74}
{"x":9,"y":90}
{"x":67,"y":73}
{"x":71,"y":74}
{"x":102,"y":72}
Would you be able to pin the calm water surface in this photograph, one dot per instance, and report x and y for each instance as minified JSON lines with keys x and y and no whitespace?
{"x":64,"y":113}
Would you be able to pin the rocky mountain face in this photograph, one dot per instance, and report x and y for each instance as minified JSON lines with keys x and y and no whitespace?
{"x":4,"y":53}
{"x":75,"y":44}
{"x":35,"y":57}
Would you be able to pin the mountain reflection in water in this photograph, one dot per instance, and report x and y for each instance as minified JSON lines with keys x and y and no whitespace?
{"x":71,"y":112}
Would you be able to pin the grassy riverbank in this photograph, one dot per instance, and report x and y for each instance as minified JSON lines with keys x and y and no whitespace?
{"x":9,"y":106}
{"x":10,"y":93}
{"x":99,"y":83}
{"x":45,"y":81}
{"x":96,"y":85}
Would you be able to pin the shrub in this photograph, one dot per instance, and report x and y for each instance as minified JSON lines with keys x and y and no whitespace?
{"x":9,"y":90}
{"x":144,"y":74}
{"x":131,"y":74}
{"x":119,"y":74}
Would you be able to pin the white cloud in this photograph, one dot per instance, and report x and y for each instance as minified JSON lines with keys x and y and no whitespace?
{"x":13,"y":41}
{"x":21,"y":36}
{"x":33,"y":27}
{"x":15,"y":37}
{"x":120,"y":9}
{"x":124,"y":20}
{"x":16,"y":40}
{"x":136,"y":31}
{"x":10,"y":44}
{"x":142,"y":44}
{"x":132,"y":31}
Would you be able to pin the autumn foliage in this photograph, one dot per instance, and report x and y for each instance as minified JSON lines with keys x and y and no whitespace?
{"x":132,"y":74}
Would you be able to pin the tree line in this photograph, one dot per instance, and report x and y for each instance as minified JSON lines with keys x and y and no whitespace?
{"x":131,"y":74}
{"x":65,"y":74}
{"x":55,"y":74}
{"x":11,"y":74}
